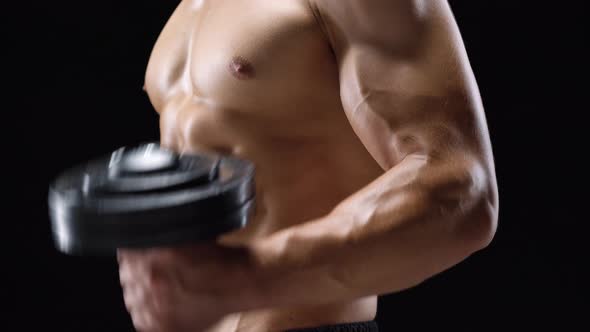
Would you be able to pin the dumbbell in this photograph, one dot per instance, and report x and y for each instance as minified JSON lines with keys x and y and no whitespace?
{"x":147,"y":196}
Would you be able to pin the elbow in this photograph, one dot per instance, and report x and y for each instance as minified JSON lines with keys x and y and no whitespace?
{"x":478,"y":228}
{"x":479,"y":219}
{"x":469,"y":199}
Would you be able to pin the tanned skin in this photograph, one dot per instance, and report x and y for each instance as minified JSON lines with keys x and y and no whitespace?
{"x":374,"y":164}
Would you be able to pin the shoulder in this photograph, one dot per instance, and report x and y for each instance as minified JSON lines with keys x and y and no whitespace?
{"x":388,"y":24}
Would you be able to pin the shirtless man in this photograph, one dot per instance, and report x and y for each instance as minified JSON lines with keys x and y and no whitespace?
{"x":374,"y":164}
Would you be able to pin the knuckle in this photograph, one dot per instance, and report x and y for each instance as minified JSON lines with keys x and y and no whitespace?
{"x":124,"y":275}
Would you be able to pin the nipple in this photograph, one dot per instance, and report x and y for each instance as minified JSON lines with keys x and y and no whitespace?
{"x":241,"y":68}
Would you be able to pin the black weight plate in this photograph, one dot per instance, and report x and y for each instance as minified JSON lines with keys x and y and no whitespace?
{"x":95,"y":210}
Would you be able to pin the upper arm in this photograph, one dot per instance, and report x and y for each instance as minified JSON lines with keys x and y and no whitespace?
{"x":405,"y":80}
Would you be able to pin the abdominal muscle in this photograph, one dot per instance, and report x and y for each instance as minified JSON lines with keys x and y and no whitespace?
{"x":298,"y":179}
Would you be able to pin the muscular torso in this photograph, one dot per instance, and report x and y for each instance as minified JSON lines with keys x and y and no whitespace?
{"x":258,"y":79}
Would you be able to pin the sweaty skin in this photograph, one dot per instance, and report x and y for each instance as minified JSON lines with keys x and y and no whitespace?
{"x":374,"y":165}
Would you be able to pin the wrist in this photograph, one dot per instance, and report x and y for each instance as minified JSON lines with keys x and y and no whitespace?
{"x":276,"y":269}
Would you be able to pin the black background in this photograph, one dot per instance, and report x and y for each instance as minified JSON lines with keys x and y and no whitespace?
{"x":75,"y":72}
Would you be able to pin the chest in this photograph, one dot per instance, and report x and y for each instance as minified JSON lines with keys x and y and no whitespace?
{"x":245,"y":54}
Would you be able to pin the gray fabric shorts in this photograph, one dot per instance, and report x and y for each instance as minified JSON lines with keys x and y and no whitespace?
{"x":370,"y":326}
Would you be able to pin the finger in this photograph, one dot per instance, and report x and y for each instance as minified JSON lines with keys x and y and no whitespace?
{"x":142,"y":310}
{"x":142,"y":321}
{"x":134,"y":264}
{"x":133,"y":295}
{"x":130,"y":254}
{"x":164,"y":256}
{"x":125,"y":274}
{"x":147,"y":316}
{"x":132,"y":272}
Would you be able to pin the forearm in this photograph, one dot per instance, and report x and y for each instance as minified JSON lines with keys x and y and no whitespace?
{"x":413,"y":222}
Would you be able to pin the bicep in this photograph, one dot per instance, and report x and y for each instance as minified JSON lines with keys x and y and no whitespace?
{"x":413,"y":93}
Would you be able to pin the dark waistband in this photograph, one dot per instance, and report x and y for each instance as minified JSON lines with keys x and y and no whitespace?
{"x":370,"y":326}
